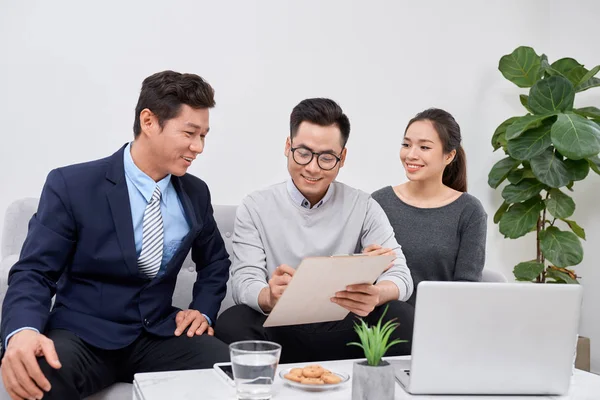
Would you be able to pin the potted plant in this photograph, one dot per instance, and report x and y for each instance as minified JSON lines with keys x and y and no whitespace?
{"x":548,"y":149}
{"x":373,"y":379}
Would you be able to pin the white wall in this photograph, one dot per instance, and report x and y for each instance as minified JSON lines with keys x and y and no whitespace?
{"x":70,"y":74}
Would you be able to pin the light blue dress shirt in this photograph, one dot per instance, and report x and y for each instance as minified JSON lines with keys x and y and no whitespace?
{"x":140,"y":187}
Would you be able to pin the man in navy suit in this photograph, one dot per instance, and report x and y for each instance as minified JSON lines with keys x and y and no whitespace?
{"x":109,"y":238}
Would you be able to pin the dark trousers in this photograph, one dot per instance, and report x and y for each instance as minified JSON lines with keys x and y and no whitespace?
{"x":315,"y":342}
{"x":87,"y":369}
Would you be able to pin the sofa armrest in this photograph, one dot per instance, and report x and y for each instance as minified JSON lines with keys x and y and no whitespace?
{"x":5,"y":266}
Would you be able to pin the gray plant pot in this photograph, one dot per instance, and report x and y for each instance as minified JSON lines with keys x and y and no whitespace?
{"x":373,"y":383}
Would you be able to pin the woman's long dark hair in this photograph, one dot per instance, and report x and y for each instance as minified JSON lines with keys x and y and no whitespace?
{"x":455,"y":173}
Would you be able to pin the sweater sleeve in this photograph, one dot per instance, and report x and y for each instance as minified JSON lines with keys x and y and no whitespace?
{"x":471,"y":252}
{"x":249,"y":274}
{"x":377,"y":230}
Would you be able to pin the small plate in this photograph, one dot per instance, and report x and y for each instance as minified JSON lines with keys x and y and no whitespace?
{"x":314,"y":388}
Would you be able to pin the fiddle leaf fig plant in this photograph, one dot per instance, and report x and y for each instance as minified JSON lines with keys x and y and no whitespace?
{"x":548,"y":148}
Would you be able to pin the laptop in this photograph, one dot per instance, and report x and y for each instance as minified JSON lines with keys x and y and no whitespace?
{"x":492,"y":339}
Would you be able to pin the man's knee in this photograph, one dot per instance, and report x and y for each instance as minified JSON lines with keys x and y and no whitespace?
{"x":66,"y":379}
{"x":211,"y":348}
{"x":239,"y":323}
{"x":398,"y":311}
{"x":404,"y":314}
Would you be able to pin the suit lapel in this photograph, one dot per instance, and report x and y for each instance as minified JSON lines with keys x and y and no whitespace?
{"x":120,"y":206}
{"x":188,"y":208}
{"x":190,"y":213}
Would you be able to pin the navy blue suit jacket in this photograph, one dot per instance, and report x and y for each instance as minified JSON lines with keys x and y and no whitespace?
{"x":80,"y":245}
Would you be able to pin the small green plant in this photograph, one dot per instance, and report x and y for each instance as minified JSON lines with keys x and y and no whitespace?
{"x":374,"y":340}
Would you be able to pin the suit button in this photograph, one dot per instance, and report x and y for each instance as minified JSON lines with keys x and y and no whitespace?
{"x":146,"y":322}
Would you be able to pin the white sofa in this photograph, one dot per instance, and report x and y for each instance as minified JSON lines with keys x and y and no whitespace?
{"x":13,"y":235}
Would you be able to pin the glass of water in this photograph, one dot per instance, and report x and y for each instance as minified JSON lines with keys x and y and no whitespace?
{"x":254,"y":363}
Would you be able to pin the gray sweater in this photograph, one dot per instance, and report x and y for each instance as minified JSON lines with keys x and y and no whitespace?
{"x":271,"y":229}
{"x":440,"y":244}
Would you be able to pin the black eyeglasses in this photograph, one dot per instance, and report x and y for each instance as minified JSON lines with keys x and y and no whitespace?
{"x":304,"y":156}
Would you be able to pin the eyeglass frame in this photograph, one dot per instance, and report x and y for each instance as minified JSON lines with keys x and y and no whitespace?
{"x":313,"y":154}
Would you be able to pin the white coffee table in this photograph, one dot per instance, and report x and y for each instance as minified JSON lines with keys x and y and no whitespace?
{"x":207,"y":385}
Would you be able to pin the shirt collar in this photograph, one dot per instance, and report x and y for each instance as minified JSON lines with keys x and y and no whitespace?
{"x":298,"y":197}
{"x":144,"y":184}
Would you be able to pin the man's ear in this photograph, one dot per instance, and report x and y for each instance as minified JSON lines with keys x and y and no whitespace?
{"x":288,"y":146}
{"x":343,"y":157}
{"x":449,"y":157}
{"x":149,"y":122}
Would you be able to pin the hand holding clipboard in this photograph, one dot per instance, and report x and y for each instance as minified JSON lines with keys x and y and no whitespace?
{"x":307,"y":297}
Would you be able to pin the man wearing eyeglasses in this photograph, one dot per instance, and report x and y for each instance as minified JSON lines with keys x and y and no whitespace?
{"x":311,"y":214}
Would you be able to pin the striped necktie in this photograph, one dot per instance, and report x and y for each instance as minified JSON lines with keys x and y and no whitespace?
{"x":152,"y":237}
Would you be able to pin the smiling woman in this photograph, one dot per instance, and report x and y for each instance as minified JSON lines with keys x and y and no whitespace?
{"x":441,"y":228}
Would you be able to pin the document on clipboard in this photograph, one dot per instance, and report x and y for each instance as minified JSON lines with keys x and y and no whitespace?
{"x":307,"y":299}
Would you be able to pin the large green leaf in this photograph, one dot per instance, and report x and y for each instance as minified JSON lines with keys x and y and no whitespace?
{"x":579,"y":231}
{"x":560,"y":276}
{"x":592,"y":112}
{"x":578,"y":169}
{"x":521,"y":218}
{"x":522,"y":124}
{"x":569,"y":68}
{"x":522,"y":191}
{"x":531,"y":143}
{"x":561,"y":248}
{"x":551,"y":94}
{"x":577,"y":75}
{"x":500,"y":212}
{"x":559,"y":204}
{"x":590,"y":83}
{"x":595,"y":164}
{"x":589,"y":75}
{"x":550,"y":169}
{"x":518,"y":175}
{"x":521,"y":67}
{"x":499,"y":171}
{"x":499,"y":136}
{"x":528,"y":271}
{"x":566,"y":65}
{"x":576,"y":137}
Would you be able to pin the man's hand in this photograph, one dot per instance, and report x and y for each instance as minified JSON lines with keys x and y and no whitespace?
{"x":195,"y":320}
{"x":359,"y":299}
{"x":377,"y":250}
{"x":21,"y":373}
{"x":277,"y":285}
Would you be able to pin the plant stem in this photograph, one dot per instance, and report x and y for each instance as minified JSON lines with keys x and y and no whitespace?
{"x":539,"y":227}
{"x":542,"y":226}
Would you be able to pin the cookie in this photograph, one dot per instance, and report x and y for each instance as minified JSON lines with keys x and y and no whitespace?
{"x":294,"y":377}
{"x":296,"y":371}
{"x":312,"y":381}
{"x":313,"y":371}
{"x":330,"y":378}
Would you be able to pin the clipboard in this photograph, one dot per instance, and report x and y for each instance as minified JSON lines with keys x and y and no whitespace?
{"x":316,"y":280}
